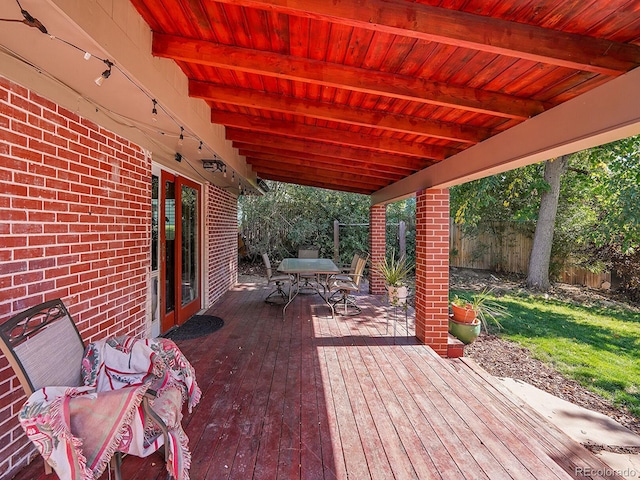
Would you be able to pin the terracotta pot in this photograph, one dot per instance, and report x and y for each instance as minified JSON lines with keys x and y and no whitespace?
{"x":465,"y":332}
{"x":463,"y":314}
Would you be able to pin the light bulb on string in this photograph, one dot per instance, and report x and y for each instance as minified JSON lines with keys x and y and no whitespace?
{"x":200,"y":148}
{"x":154,"y":111}
{"x":86,"y":56}
{"x":181,"y":139}
{"x":106,"y":74}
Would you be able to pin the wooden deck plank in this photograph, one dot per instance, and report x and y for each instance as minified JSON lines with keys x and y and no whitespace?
{"x":345,"y":421}
{"x":268,"y":452}
{"x":384,"y":367}
{"x":511,"y":434}
{"x":508,"y":461}
{"x":487,"y":429}
{"x":439,"y":440}
{"x":289,"y":448}
{"x":566,"y":452}
{"x":368,"y":411}
{"x":224,"y":384}
{"x":312,"y":392}
{"x":315,"y":397}
{"x":238,"y":446}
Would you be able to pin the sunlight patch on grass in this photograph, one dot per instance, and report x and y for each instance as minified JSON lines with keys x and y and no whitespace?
{"x":597,"y":347}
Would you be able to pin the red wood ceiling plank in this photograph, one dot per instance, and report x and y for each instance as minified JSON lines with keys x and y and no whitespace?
{"x":291,"y":177}
{"x":338,"y":113}
{"x":317,"y":173}
{"x":336,"y":137}
{"x":347,"y":153}
{"x":462,"y":29}
{"x":296,"y":160}
{"x":369,"y":168}
{"x":344,"y":77}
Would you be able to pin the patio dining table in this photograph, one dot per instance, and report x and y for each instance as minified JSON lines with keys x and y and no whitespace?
{"x":308,"y":266}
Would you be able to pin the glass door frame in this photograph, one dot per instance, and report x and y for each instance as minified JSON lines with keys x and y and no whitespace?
{"x":180,"y":312}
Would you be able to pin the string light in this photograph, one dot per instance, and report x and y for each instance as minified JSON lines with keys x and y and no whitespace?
{"x":106,"y":74}
{"x":181,"y":139}
{"x":33,"y":22}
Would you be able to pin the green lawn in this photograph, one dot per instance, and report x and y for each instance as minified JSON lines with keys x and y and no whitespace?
{"x":599,"y":347}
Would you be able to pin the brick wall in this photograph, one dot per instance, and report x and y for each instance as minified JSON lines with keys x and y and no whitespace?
{"x":432,"y":268}
{"x":222,"y":242}
{"x":75,"y":222}
{"x":377,"y":246}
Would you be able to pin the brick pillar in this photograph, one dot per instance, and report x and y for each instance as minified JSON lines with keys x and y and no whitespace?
{"x":432,"y":268}
{"x":377,"y":246}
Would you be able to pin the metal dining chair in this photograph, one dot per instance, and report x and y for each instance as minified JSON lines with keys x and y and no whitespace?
{"x":308,"y":279}
{"x":279,"y":280}
{"x":344,"y":289}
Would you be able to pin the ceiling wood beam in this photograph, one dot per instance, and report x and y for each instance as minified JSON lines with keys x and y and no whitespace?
{"x":315,"y":173}
{"x":347,"y":153}
{"x":367,"y":168}
{"x":378,"y":160}
{"x":295,"y":162}
{"x":337,"y":137}
{"x":549,"y":135}
{"x":342,"y":186}
{"x":337,"y":113}
{"x":462,"y":29}
{"x":344,"y":77}
{"x":296,"y":181}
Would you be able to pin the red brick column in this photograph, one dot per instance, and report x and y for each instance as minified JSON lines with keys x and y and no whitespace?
{"x":432,"y":268}
{"x":377,"y":246}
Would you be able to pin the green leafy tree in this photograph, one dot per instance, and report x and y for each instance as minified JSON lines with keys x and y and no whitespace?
{"x":290,"y":216}
{"x":598,"y":215}
{"x":540,"y":259}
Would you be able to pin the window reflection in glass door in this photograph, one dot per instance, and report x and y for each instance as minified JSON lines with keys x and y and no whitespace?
{"x":189,"y":201}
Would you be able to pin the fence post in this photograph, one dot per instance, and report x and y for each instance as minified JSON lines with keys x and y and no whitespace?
{"x":336,"y":242}
{"x":402,"y":238}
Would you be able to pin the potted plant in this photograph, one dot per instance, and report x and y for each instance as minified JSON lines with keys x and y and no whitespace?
{"x":462,"y":310}
{"x":395,"y":271}
{"x":469,"y":316}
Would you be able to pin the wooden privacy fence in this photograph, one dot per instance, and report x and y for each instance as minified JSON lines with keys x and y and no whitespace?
{"x":508,"y":251}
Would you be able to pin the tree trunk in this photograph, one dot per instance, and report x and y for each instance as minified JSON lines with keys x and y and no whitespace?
{"x":538,"y":276}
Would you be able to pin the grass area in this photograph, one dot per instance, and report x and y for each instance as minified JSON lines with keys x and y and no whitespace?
{"x":599,"y":347}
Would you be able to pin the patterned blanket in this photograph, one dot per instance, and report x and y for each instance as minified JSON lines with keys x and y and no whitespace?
{"x":78,"y":429}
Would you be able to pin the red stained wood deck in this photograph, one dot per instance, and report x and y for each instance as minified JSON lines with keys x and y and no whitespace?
{"x":311,"y":397}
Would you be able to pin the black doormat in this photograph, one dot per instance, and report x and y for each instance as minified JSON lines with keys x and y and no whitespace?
{"x":196,"y":326}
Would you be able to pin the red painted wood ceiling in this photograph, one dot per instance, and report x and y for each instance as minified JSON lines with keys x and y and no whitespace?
{"x":353,"y":95}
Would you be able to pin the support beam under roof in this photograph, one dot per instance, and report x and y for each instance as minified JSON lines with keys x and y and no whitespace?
{"x":605,"y":114}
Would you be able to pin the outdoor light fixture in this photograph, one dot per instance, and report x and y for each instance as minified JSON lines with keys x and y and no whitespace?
{"x":215,"y":166}
{"x":106,"y":74}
